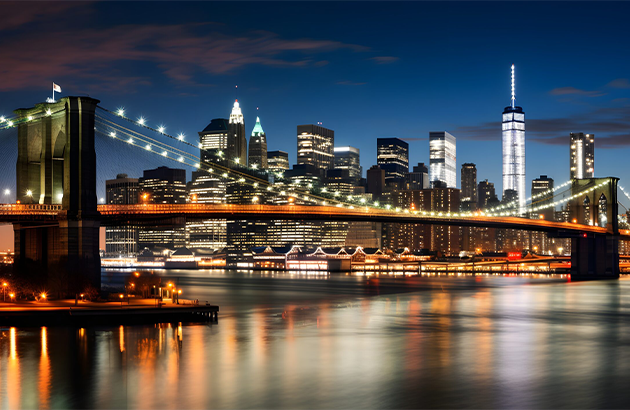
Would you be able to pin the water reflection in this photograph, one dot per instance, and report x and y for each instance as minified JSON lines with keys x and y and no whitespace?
{"x":287,"y":343}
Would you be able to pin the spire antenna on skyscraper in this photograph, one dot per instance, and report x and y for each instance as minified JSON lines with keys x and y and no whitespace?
{"x":513,"y":87}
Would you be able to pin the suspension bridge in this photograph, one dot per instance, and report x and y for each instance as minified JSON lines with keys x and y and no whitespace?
{"x":56,"y":216}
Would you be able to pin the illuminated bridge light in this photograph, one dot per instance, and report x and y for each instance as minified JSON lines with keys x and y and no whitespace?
{"x":376,"y":204}
{"x":164,"y":153}
{"x":200,"y":145}
{"x":255,"y":184}
{"x":197,"y":165}
{"x":161,"y":129}
{"x":148,"y":147}
{"x":2,"y":119}
{"x":30,"y":118}
{"x":130,"y":141}
{"x":112,"y":134}
{"x":181,"y":137}
{"x":180,"y":159}
{"x":141,"y":120}
{"x":225,"y":175}
{"x":10,"y":123}
{"x":48,"y":112}
{"x":121,"y":112}
{"x":268,"y":188}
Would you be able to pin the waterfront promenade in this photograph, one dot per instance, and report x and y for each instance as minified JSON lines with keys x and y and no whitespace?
{"x":125,"y":311}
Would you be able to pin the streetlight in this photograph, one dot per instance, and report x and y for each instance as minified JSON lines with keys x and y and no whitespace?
{"x":11,"y":295}
{"x":4,"y":288}
{"x":121,"y":300}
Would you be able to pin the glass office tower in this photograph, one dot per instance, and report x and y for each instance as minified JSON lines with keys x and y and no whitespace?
{"x":442,"y":159}
{"x":514,"y":150}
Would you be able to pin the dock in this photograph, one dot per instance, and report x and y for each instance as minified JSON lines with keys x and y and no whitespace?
{"x":66,"y":313}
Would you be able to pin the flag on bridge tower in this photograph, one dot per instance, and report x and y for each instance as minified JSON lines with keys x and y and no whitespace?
{"x":56,"y":88}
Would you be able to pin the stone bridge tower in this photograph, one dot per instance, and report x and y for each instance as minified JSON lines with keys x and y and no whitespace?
{"x":57,"y":165}
{"x":595,"y":256}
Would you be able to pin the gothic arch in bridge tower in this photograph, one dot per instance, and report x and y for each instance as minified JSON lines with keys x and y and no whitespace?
{"x":586,"y":204}
{"x":602,"y":207}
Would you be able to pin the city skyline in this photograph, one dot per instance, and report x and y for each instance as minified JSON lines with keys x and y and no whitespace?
{"x":310,"y":85}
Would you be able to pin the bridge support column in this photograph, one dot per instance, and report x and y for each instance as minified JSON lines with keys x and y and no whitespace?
{"x":67,"y":253}
{"x":595,"y":257}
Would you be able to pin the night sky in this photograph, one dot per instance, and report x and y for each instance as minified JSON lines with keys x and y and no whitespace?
{"x":365,"y":70}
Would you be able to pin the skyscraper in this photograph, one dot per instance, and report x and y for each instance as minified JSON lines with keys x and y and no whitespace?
{"x":418,"y":178}
{"x":442,"y":158}
{"x":582,"y":155}
{"x":277,"y":160}
{"x":469,"y":183}
{"x":163,"y":185}
{"x":315,"y":146}
{"x":514,"y":149}
{"x":237,"y":142}
{"x":542,"y":194}
{"x":486,"y":193}
{"x":349,"y":158}
{"x":213,"y":141}
{"x":258,"y":147}
{"x":392,"y":156}
{"x":121,"y":240}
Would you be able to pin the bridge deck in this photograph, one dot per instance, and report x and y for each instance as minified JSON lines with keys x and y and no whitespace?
{"x":154,"y":213}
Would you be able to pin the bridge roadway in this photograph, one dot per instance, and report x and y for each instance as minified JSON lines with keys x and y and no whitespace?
{"x":157,"y":213}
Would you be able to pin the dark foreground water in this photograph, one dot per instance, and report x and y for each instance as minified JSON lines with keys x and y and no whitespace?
{"x":336,"y":341}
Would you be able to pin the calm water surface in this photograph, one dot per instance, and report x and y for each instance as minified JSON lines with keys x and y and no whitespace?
{"x":338,"y":341}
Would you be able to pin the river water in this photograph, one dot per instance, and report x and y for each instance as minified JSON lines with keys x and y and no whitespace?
{"x":341,"y":341}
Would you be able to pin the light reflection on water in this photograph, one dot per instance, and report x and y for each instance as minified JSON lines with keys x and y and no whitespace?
{"x":336,"y":341}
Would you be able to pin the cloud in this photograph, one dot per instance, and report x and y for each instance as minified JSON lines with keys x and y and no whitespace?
{"x":384,"y":59}
{"x":349,"y":83}
{"x":15,"y":15}
{"x":575,"y":91}
{"x":610,"y":126}
{"x":182,"y":53}
{"x":619,"y":83}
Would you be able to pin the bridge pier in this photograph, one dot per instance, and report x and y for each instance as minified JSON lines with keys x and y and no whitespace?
{"x":594,"y":257}
{"x":57,"y":164}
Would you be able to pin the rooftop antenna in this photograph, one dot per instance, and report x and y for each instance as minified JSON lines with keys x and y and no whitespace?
{"x":236,"y":93}
{"x":513,"y":87}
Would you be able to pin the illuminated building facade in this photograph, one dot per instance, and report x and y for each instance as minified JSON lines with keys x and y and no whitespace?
{"x":277,"y":160}
{"x":236,"y":151}
{"x":445,"y":238}
{"x":206,"y":233}
{"x":442,"y":158}
{"x":315,"y":146}
{"x":582,"y":155}
{"x":258,"y":147}
{"x":514,"y":150}
{"x":213,"y":141}
{"x":419,"y":178}
{"x":486,"y":193}
{"x":163,"y":185}
{"x":392,"y":156}
{"x":121,"y":240}
{"x":542,"y":194}
{"x":469,"y":185}
{"x":349,"y":158}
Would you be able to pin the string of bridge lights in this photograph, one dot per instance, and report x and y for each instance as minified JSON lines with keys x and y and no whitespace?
{"x":194,"y":161}
{"x":133,"y":138}
{"x":530,"y":199}
{"x":14,"y":120}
